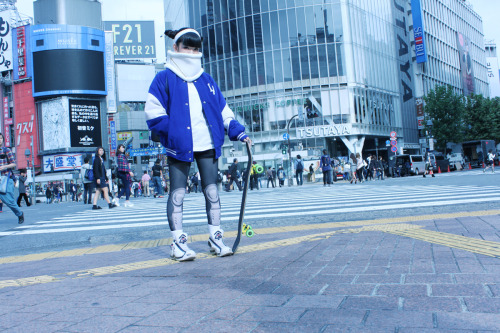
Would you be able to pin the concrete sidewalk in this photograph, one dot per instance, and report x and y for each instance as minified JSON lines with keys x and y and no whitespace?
{"x":414,"y":274}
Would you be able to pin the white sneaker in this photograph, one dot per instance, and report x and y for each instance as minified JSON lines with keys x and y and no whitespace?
{"x":179,"y":249}
{"x":128,"y":204}
{"x":116,"y":201}
{"x":216,"y":242}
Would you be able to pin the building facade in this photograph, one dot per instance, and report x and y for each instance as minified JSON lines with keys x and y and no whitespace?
{"x":342,"y":74}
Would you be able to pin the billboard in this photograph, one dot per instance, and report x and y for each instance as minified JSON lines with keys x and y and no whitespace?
{"x":418,"y":32}
{"x":67,"y":60}
{"x":493,"y":77}
{"x":132,"y":39}
{"x":26,"y":129}
{"x":85,"y":123}
{"x":110,"y":74}
{"x":22,"y":57}
{"x":55,"y":119}
{"x":466,"y":63}
{"x":6,"y":61}
{"x":62,"y":162}
{"x":7,"y":121}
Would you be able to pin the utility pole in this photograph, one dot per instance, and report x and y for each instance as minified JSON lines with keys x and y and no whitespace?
{"x":290,"y":177}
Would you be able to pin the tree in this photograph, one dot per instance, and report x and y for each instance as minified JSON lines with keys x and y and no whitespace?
{"x":444,"y":116}
{"x":479,"y":118}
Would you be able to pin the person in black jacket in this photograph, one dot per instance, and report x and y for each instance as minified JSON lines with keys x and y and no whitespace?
{"x":233,"y":172}
{"x":100,"y":178}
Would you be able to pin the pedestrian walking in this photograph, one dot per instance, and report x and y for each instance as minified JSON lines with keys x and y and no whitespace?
{"x":194,"y":183}
{"x":353,"y":161}
{"x":72,"y":190}
{"x":157,"y":177}
{"x":360,"y":167}
{"x":270,"y":178}
{"x":312,"y":176}
{"x":299,"y":169}
{"x":56,"y":193}
{"x":380,"y":168}
{"x":281,"y":176}
{"x":233,"y":176}
{"x":145,"y":179}
{"x":490,"y":162}
{"x":7,"y":163}
{"x":429,"y":168}
{"x":22,"y":189}
{"x":100,"y":178}
{"x":86,"y":174}
{"x":48,"y":193}
{"x":254,"y":176}
{"x":125,"y":175}
{"x":326,"y":167}
{"x":186,"y":105}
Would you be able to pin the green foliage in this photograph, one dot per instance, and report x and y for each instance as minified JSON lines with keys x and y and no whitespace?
{"x":444,"y":116}
{"x":456,"y":118}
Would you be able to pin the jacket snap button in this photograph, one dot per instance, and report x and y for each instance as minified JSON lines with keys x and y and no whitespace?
{"x":189,"y":151}
{"x":189,"y":127}
{"x":186,"y":103}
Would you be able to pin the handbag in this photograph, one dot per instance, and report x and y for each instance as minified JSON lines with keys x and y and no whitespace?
{"x":4,"y":181}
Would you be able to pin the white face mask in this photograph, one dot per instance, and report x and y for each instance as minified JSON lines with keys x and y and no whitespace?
{"x":186,"y":65}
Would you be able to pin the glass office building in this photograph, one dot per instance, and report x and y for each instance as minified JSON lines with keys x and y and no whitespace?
{"x":344,"y":69}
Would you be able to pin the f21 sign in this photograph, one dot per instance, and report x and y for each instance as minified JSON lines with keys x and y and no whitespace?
{"x":85,"y":123}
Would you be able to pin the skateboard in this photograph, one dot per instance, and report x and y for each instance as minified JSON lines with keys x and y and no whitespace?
{"x":244,"y":199}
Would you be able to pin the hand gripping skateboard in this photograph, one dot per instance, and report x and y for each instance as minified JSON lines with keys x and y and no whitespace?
{"x":244,"y":198}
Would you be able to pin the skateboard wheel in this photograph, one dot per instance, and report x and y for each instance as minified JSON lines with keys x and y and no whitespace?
{"x":245,"y":228}
{"x":250,"y":233}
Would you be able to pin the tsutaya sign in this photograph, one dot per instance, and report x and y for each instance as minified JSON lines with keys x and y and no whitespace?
{"x":324,"y":131}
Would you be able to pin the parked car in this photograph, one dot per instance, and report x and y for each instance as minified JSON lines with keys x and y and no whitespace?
{"x":417,"y":164}
{"x":442,"y":163}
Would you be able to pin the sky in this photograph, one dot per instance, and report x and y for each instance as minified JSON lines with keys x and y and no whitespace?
{"x":487,"y":9}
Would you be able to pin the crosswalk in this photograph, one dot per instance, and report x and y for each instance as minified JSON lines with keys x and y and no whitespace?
{"x":294,"y":202}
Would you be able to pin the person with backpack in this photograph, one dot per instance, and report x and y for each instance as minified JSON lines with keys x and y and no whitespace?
{"x":326,"y":167}
{"x":7,"y":163}
{"x":100,"y":178}
{"x":186,"y":108}
{"x":87,"y":176}
{"x":299,"y":169}
{"x":490,"y":162}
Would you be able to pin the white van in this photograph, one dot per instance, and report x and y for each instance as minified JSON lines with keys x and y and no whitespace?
{"x":417,"y":164}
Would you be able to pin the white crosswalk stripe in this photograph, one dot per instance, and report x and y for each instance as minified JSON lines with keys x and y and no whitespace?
{"x":269,"y":203}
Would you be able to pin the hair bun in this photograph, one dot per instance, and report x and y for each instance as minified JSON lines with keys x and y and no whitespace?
{"x":171,"y":33}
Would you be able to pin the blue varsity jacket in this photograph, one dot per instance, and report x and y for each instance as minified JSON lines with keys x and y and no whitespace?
{"x":171,"y":118}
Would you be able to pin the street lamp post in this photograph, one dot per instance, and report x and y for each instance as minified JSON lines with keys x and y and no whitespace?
{"x":290,"y":177}
{"x":28,"y":153}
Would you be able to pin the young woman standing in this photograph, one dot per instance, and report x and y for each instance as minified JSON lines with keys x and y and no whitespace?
{"x":100,"y":178}
{"x":125,"y":174}
{"x":186,"y":108}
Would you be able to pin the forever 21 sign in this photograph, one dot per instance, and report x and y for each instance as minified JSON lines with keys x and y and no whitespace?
{"x":132,"y":39}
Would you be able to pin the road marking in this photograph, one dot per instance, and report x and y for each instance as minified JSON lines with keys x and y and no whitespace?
{"x":407,"y":230}
{"x":229,"y":234}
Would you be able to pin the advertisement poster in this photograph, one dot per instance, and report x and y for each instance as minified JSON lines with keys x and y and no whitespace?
{"x":85,"y":123}
{"x":466,"y":64}
{"x":5,"y":41}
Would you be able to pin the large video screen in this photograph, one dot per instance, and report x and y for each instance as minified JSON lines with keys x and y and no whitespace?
{"x":68,"y":71}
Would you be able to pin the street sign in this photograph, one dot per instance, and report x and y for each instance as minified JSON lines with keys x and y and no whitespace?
{"x":285,"y":136}
{"x":394,"y":149}
{"x":393,"y":134}
{"x":388,"y":143}
{"x":394,"y":142}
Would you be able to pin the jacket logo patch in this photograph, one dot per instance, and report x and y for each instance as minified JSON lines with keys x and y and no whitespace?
{"x":212,"y":89}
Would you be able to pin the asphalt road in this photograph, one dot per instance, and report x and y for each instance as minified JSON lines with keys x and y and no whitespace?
{"x":63,"y":226}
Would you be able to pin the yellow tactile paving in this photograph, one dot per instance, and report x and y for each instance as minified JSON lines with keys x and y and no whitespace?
{"x":407,"y":230}
{"x":263,"y":231}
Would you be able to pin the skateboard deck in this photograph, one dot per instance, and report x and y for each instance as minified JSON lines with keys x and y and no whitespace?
{"x":244,"y":198}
